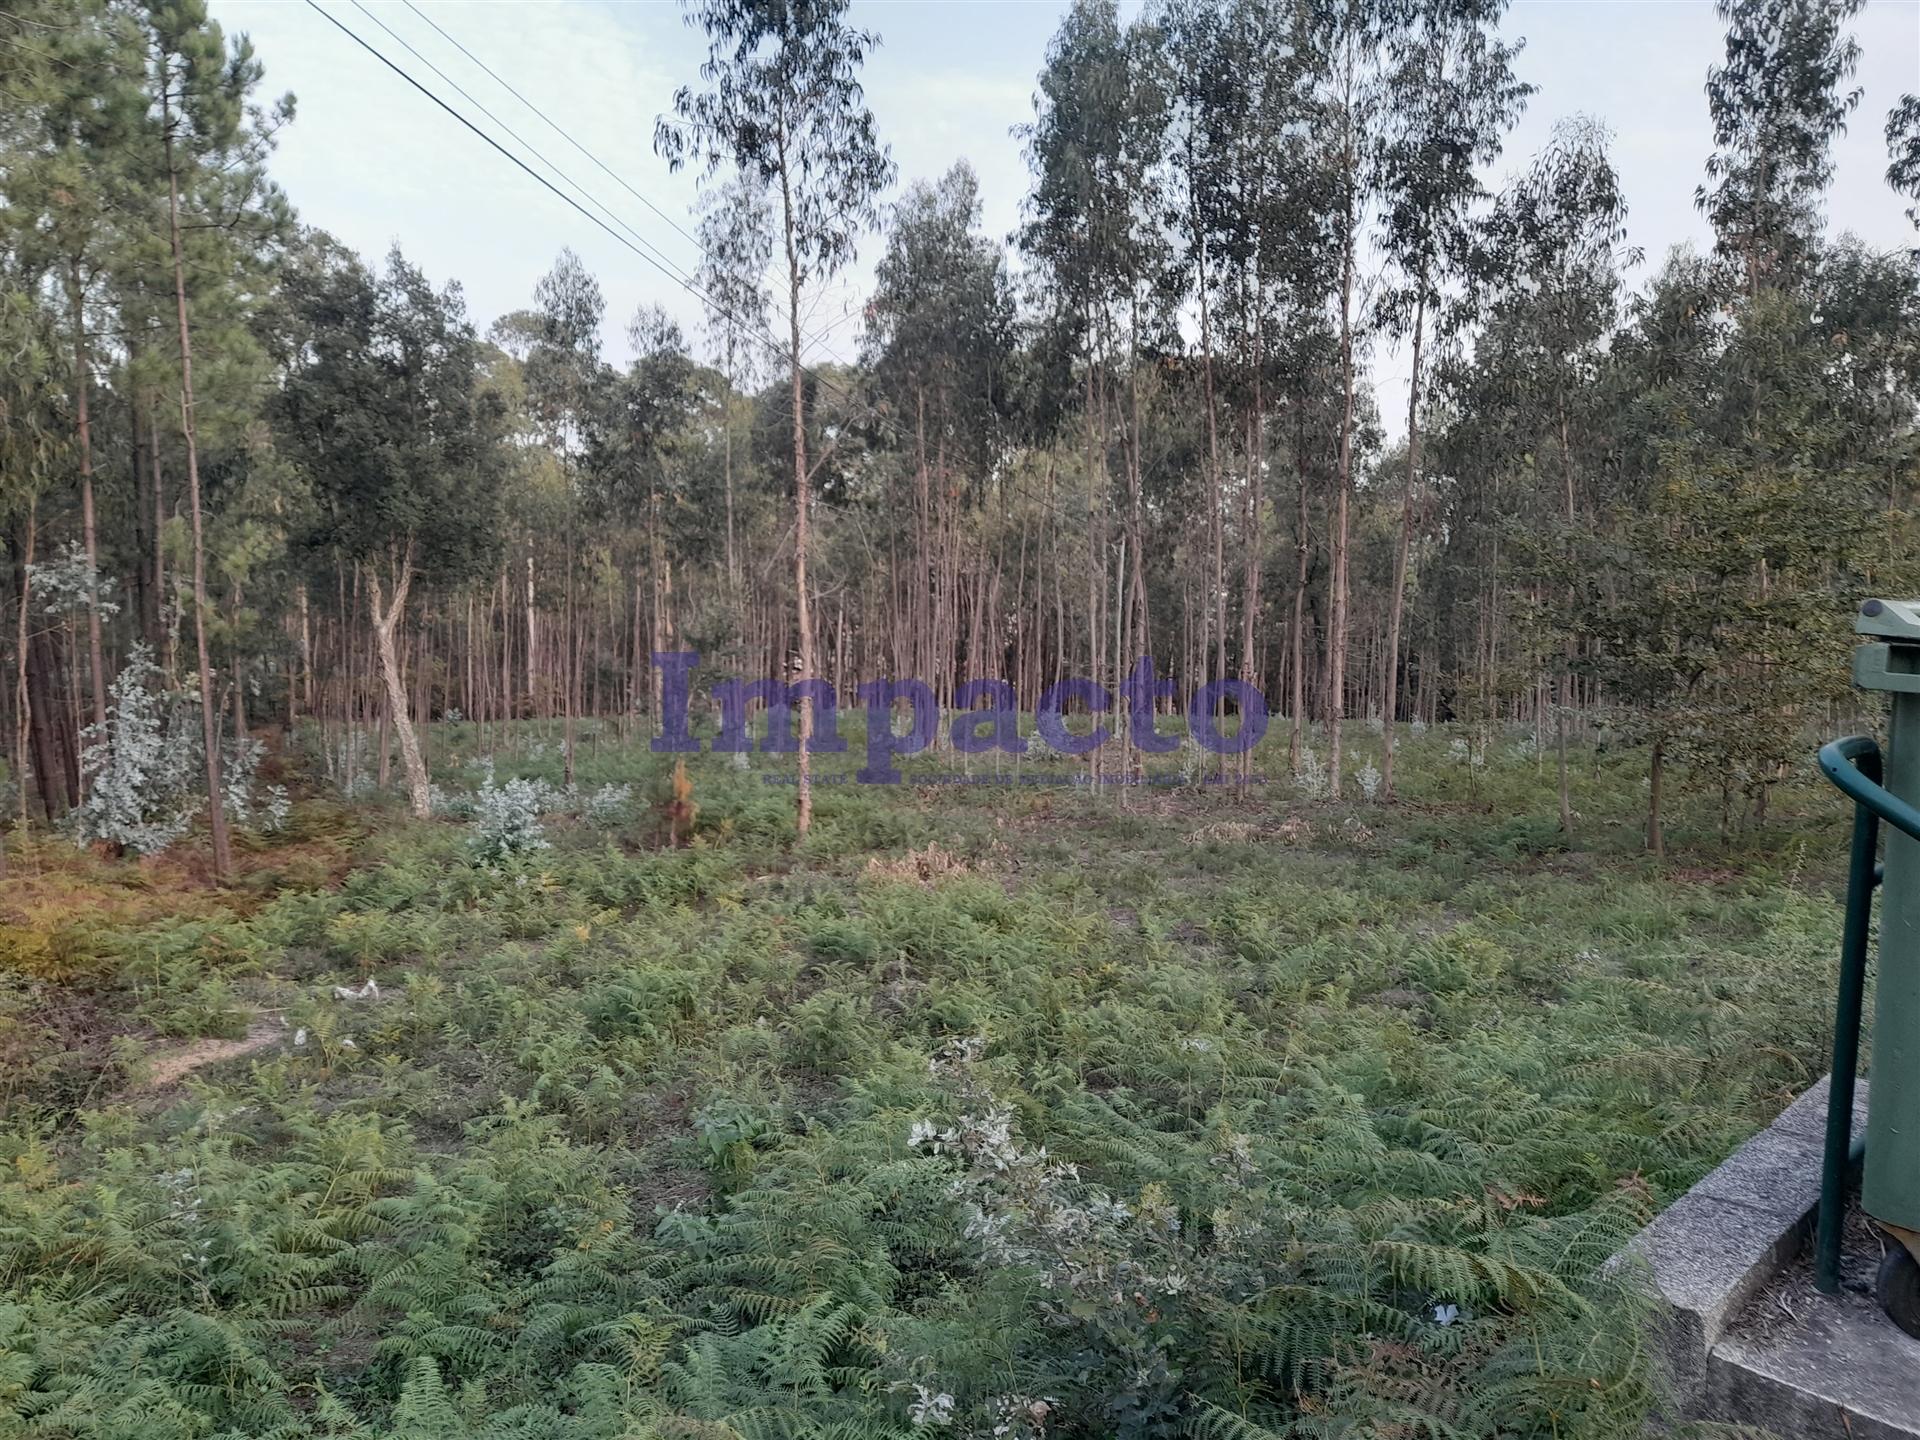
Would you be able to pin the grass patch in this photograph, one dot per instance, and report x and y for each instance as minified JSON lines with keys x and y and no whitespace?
{"x":1145,"y":1113}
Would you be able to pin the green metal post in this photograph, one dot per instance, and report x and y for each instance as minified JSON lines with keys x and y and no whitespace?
{"x":1843,"y":760}
{"x":1890,"y":1189}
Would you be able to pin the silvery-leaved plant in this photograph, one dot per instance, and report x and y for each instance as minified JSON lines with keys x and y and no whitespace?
{"x":1311,"y":778}
{"x":451,"y":804}
{"x":143,"y":769}
{"x":239,"y":763}
{"x":64,"y":584}
{"x":609,"y":805}
{"x":1113,"y":1276}
{"x":1367,"y":777}
{"x":140,"y":768}
{"x":1193,"y":761}
{"x":506,"y":821}
{"x":930,"y":1407}
{"x":245,"y":803}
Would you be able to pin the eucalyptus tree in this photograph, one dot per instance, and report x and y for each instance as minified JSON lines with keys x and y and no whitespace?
{"x":1093,"y":231}
{"x":1278,"y":238}
{"x":1241,"y":202}
{"x":36,"y":440}
{"x":383,"y":411}
{"x":561,"y":370}
{"x":1550,"y":281}
{"x":36,"y":431}
{"x":1348,"y":42}
{"x":1612,"y":588}
{"x":736,"y":247}
{"x":641,"y":433}
{"x":1454,"y":98}
{"x":1207,"y":102}
{"x":1903,"y":152}
{"x":1866,"y":308}
{"x":784,"y":106}
{"x":1077,"y":227}
{"x":1776,"y":105}
{"x":939,"y":343}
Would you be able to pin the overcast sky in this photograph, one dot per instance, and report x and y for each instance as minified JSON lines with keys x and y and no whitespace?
{"x":375,"y":162}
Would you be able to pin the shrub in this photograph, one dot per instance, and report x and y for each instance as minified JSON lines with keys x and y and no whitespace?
{"x":139,"y":766}
{"x":143,"y":770}
{"x":609,"y":805}
{"x":506,"y":821}
{"x":1311,"y":778}
{"x":1367,"y":777}
{"x":239,"y":768}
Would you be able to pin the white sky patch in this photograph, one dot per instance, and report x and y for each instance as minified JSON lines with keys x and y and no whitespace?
{"x":375,"y":162}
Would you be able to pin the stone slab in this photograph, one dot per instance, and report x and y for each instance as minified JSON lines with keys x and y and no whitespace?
{"x":1832,"y":1366}
{"x":1708,"y":1258}
{"x":1748,"y":1338}
{"x":1808,"y":1114}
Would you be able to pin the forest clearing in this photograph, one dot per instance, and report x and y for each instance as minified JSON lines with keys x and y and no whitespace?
{"x":1097,"y":725}
{"x":564,"y":1130}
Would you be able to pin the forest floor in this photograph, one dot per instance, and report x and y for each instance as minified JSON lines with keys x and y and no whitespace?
{"x":625,"y":1135}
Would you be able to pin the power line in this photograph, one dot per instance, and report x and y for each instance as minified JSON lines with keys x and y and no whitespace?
{"x":659,"y":265}
{"x":817,"y":338}
{"x":555,"y":126}
{"x":663,"y":258}
{"x":763,"y":330}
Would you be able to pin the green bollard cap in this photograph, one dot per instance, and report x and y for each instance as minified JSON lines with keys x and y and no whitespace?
{"x":1897,"y":620}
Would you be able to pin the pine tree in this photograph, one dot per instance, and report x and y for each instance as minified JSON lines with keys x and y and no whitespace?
{"x":213,"y":147}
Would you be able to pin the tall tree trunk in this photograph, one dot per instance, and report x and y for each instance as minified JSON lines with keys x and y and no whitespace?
{"x":1396,"y":607}
{"x":386,"y":620}
{"x":570,"y":657}
{"x":503,"y":713}
{"x":1215,"y":614}
{"x":803,"y":806}
{"x":146,"y":602}
{"x":1256,"y":466}
{"x":533,"y":635}
{"x":1566,"y":674}
{"x":163,"y":632}
{"x":306,"y":656}
{"x":1302,"y":571}
{"x":726,"y":437}
{"x":55,"y":745}
{"x":22,"y":696}
{"x":1096,"y":548}
{"x":1335,"y":699}
{"x":656,"y":556}
{"x":83,"y":430}
{"x":1656,"y":777}
{"x":209,"y":720}
{"x":1139,"y":618}
{"x":1337,"y":616}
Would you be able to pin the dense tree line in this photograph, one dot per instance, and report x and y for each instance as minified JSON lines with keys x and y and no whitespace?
{"x":320,"y":493}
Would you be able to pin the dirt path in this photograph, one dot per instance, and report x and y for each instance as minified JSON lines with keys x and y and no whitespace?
{"x":169,"y":1065}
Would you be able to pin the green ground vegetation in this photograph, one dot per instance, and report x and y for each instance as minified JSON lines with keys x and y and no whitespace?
{"x":1015,"y":1112}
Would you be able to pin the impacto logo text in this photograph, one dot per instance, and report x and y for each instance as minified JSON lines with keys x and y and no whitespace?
{"x":985,"y":718}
